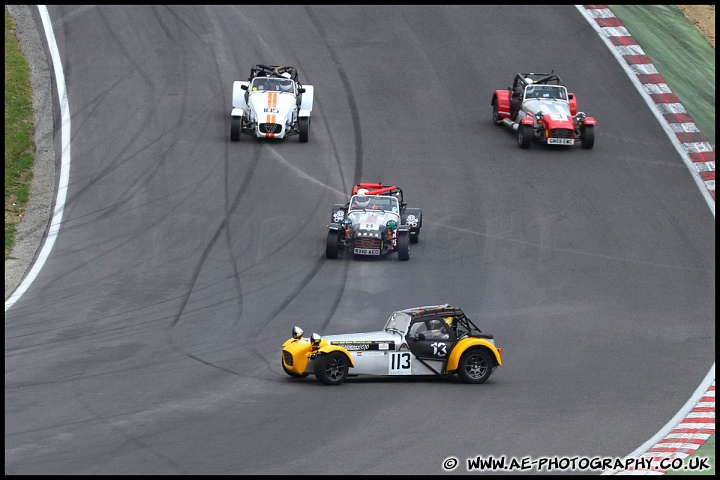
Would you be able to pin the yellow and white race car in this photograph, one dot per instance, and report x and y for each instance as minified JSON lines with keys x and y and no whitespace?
{"x":432,"y":340}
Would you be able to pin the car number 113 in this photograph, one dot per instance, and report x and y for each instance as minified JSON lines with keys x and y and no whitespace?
{"x":400,"y":363}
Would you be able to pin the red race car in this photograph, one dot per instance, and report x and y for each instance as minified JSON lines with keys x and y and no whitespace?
{"x":538,"y":106}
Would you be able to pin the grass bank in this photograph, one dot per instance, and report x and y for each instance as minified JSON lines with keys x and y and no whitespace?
{"x":18,"y":134}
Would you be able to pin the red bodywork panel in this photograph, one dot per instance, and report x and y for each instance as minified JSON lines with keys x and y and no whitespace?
{"x":503,"y":102}
{"x":553,"y":121}
{"x":572,"y":100}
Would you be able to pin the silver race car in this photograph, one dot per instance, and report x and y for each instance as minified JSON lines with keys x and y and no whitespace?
{"x":375,"y":222}
{"x":433,"y":340}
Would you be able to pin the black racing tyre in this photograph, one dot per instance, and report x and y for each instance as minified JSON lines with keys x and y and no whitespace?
{"x":587,"y":137}
{"x":304,"y":127}
{"x":403,"y":246}
{"x":524,"y":135}
{"x":415,"y":238}
{"x":293,"y":374}
{"x":496,"y":116}
{"x":475,"y":365}
{"x":235,"y":126}
{"x":332,"y":368}
{"x":333,"y":244}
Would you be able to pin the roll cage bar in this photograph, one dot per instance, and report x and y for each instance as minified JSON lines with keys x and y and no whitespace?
{"x":537,"y":78}
{"x":261,"y":70}
{"x":445,"y":311}
{"x":380,"y":189}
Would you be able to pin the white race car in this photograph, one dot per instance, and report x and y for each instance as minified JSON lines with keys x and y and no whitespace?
{"x":271,"y":104}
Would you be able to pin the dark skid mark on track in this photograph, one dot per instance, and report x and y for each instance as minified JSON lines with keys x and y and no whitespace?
{"x":357,"y":178}
{"x":223,"y":226}
{"x":357,"y":175}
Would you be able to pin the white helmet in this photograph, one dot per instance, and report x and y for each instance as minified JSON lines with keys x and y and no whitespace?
{"x":363,"y":191}
{"x":361,"y":200}
{"x":529,"y":81}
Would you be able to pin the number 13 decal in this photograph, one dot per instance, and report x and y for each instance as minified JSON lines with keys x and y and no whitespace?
{"x":439,"y":349}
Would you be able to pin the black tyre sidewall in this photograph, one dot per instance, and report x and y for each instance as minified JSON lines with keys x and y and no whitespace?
{"x":587,"y":139}
{"x":321,"y":366}
{"x":403,"y":245}
{"x":333,"y":244}
{"x":304,"y":127}
{"x":496,"y":116}
{"x":524,"y":136}
{"x":235,"y":127}
{"x":464,"y":359}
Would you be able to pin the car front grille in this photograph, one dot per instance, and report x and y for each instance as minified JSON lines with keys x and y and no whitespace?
{"x":287,"y":356}
{"x":561,"y":133}
{"x":367,"y":243}
{"x":270,"y":128}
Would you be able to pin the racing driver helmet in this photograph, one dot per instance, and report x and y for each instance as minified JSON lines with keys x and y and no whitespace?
{"x":362,"y":200}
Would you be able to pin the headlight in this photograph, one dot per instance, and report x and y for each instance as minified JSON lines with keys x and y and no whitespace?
{"x":391,"y":225}
{"x":297,"y":333}
{"x":315,"y":340}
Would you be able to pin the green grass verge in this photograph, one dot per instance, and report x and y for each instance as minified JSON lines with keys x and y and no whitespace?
{"x":19,"y":155}
{"x":691,"y":463}
{"x":684,"y":58}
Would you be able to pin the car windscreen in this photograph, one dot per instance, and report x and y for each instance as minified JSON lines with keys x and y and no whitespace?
{"x":398,"y":322}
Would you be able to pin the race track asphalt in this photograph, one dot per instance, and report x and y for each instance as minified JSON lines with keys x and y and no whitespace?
{"x":658,"y":35}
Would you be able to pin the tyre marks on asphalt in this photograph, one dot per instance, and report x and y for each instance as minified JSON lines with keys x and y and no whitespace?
{"x":693,"y":146}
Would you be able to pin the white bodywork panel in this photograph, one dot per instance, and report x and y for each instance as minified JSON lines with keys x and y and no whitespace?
{"x":307,"y":98}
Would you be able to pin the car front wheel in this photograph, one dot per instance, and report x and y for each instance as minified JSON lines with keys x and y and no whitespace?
{"x":587,"y":137}
{"x":332,"y":368}
{"x":304,"y":127}
{"x":475,"y":366}
{"x":235,"y":124}
{"x":524,"y":135}
{"x":333,"y":244}
{"x":403,"y":246}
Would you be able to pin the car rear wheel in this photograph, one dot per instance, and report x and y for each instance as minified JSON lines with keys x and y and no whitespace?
{"x":524,"y":135}
{"x":333,"y":244}
{"x":587,"y":137}
{"x":475,"y":366}
{"x":293,"y":374}
{"x":496,"y":116}
{"x":235,"y":124}
{"x":332,"y":368}
{"x":304,"y":127}
{"x":403,"y":246}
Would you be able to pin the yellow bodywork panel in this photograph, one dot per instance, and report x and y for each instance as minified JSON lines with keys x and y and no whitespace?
{"x":463,"y":345}
{"x":301,"y":350}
